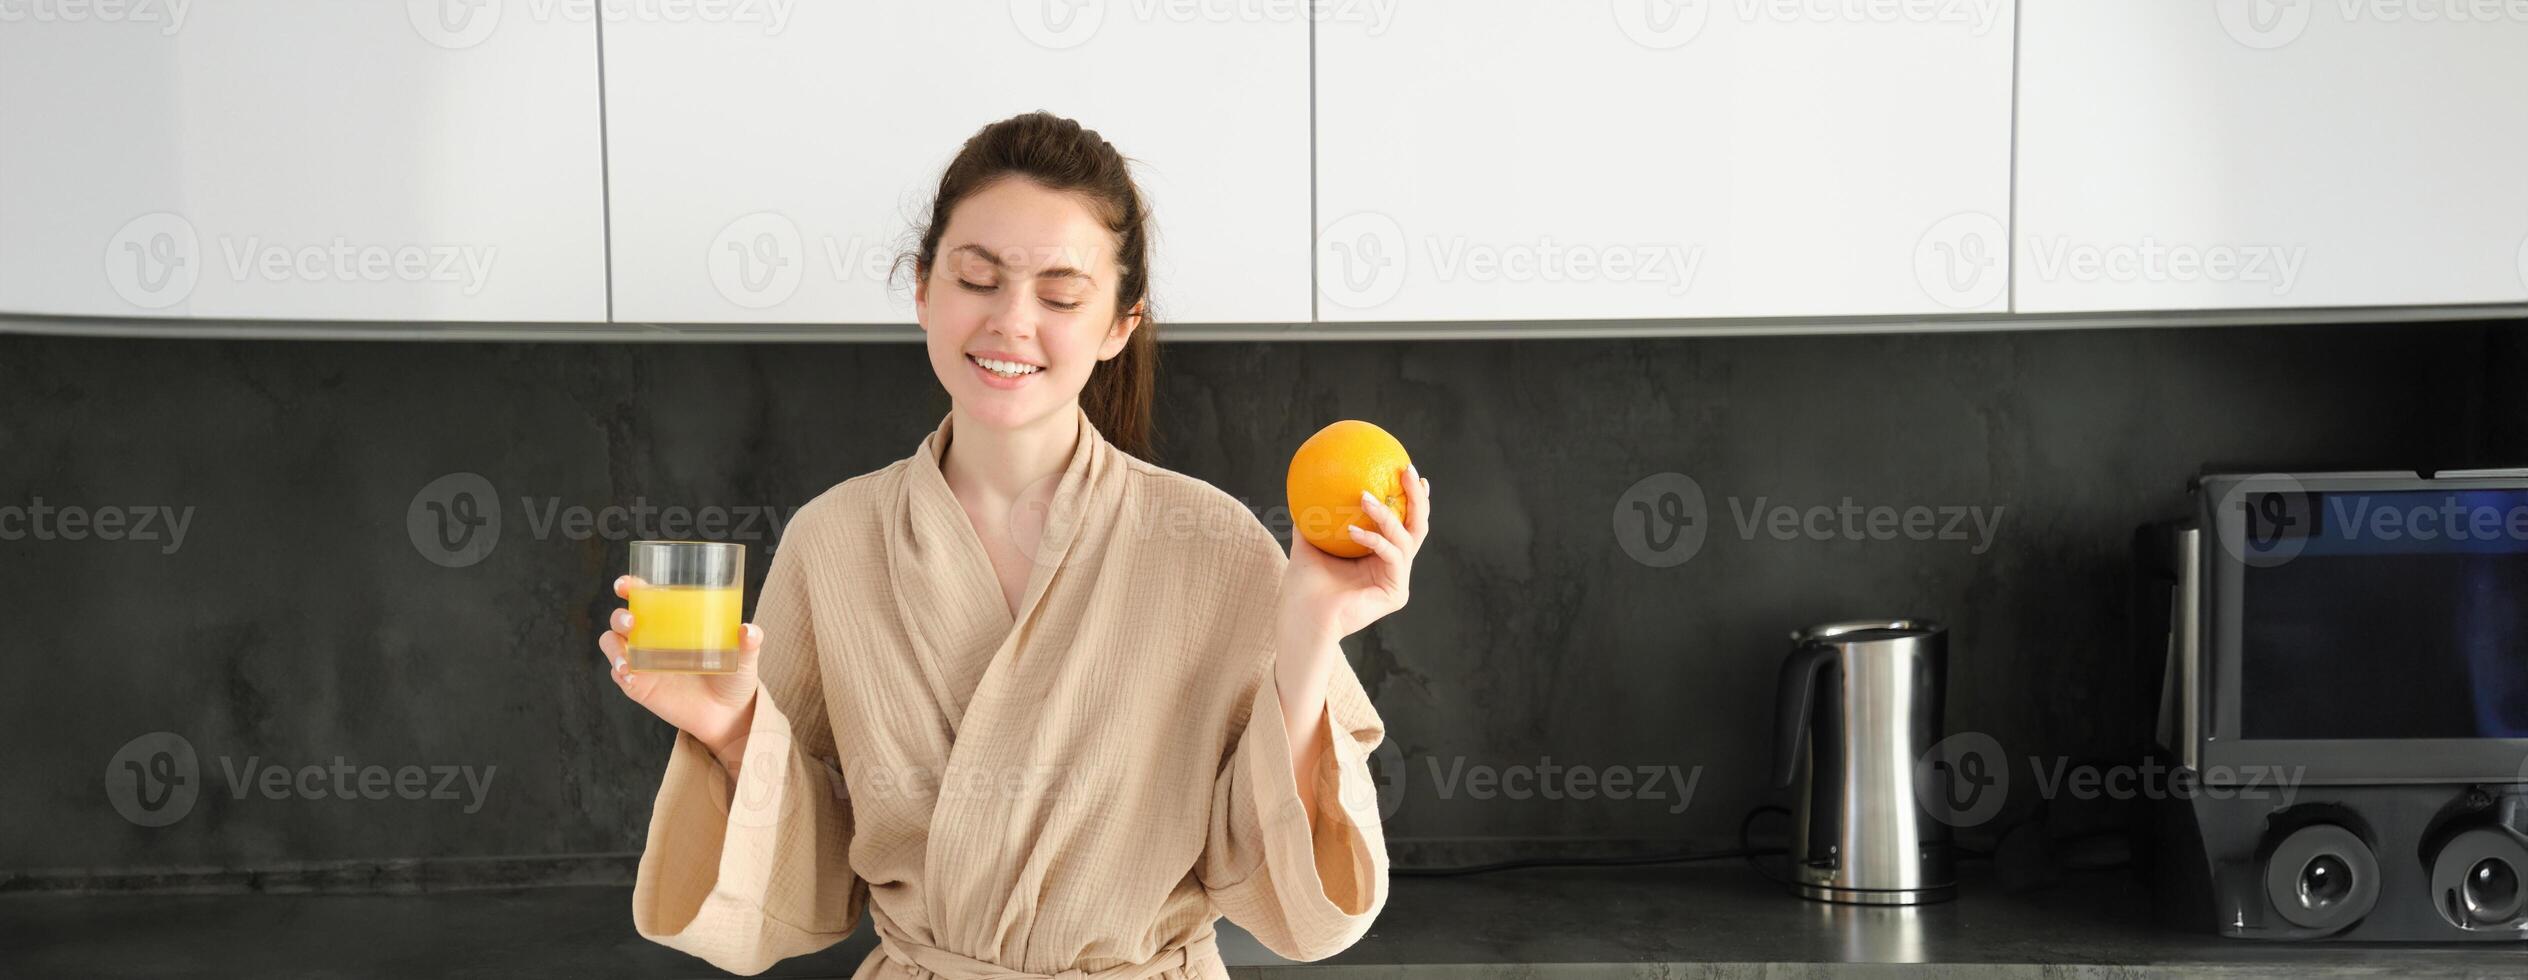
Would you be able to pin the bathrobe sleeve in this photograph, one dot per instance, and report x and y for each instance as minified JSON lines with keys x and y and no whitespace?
{"x":1306,"y":892}
{"x":748,"y":881}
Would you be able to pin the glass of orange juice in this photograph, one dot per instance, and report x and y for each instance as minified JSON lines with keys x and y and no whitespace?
{"x":687,"y":612}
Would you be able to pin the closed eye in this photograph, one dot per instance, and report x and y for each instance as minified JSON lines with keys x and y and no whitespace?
{"x":1058,"y":305}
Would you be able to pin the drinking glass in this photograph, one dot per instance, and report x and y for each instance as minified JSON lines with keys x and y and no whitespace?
{"x":687,"y":608}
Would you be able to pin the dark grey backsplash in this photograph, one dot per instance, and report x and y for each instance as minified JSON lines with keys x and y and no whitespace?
{"x":1555,"y":648}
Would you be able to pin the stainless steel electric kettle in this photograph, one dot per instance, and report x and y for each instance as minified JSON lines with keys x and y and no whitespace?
{"x":1859,"y":707}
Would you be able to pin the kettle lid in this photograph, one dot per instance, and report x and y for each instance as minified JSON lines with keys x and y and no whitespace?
{"x":1867,"y":630}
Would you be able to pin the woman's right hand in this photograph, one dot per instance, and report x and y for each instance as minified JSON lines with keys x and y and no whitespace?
{"x":717,"y":709}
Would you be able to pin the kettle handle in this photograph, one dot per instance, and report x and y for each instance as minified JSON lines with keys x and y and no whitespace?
{"x":1791,"y":707}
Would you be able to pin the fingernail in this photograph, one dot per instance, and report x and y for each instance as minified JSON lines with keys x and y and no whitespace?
{"x":1367,"y":500}
{"x":618,"y":663}
{"x":1411,"y":472}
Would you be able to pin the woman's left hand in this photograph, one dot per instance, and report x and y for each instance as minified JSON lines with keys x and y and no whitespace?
{"x":1326,"y":598}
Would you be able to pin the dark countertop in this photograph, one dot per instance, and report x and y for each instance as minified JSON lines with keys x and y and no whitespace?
{"x":1717,"y":920}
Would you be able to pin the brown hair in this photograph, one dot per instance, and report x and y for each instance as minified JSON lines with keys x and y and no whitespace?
{"x":1058,"y":154}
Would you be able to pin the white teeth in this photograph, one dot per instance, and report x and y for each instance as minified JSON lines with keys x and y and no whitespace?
{"x":1006,"y":369}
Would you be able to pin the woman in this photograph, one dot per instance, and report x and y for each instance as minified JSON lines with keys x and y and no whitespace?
{"x":1044,"y":708}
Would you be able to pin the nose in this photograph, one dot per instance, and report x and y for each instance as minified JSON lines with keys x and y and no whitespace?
{"x":1011,"y":314}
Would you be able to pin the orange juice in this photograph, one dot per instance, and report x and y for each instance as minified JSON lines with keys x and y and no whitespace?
{"x":685,"y":629}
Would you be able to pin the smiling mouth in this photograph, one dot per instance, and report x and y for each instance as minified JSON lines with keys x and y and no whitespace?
{"x":1006,"y":369}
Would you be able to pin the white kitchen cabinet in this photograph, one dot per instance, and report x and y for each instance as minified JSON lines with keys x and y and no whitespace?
{"x":301,"y":159}
{"x":772,"y":173}
{"x":1550,"y":160}
{"x":2248,"y":154}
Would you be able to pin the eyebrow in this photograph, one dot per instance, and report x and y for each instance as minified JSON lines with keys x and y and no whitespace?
{"x":1050,"y":272}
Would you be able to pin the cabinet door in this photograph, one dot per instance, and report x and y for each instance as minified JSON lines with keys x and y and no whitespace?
{"x":299,"y":159}
{"x":1650,"y":158}
{"x":769,"y":172}
{"x":2249,"y":154}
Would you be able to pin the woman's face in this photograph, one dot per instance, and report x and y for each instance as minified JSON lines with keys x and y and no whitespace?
{"x":1024,"y":274}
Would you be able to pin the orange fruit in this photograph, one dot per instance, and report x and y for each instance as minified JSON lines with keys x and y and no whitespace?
{"x":1327,"y":476}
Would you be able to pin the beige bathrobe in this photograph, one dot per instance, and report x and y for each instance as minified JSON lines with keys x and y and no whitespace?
{"x":1079,"y":793}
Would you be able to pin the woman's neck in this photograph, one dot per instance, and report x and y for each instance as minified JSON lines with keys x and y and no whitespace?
{"x":987,"y":463}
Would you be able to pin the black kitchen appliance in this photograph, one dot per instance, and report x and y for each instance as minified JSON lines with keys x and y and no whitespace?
{"x":2344,"y":706}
